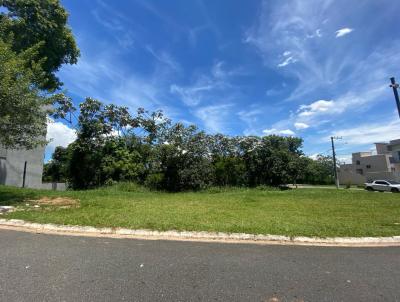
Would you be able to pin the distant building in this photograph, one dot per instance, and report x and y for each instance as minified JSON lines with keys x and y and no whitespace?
{"x":367,"y":166}
{"x":21,"y":168}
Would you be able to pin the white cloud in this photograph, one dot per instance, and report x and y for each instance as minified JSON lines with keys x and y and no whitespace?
{"x":115,"y":22}
{"x":344,"y":159}
{"x":287,"y":132}
{"x":279,"y":132}
{"x":59,"y":134}
{"x":287,"y":61}
{"x":369,"y":133}
{"x":316,"y":34}
{"x":209,"y":86}
{"x":321,"y":63}
{"x":192,"y":95}
{"x":300,"y":126}
{"x":217,"y":70}
{"x":215,"y":117}
{"x":316,"y":107}
{"x":314,"y":156}
{"x":289,"y":24}
{"x":343,"y":31}
{"x":164,"y":58}
{"x":322,"y":111}
{"x":103,"y":77}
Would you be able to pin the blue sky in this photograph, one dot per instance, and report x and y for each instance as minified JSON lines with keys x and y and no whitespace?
{"x":307,"y":68}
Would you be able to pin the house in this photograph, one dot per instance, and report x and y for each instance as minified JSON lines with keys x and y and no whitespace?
{"x":384,"y":163}
{"x":21,"y":167}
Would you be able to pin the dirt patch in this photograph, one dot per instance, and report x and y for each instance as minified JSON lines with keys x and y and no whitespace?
{"x":58,"y":201}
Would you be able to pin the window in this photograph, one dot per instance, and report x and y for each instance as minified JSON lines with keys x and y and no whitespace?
{"x":380,"y":182}
{"x":360,"y":171}
{"x":357,"y":162}
{"x":368,"y":166}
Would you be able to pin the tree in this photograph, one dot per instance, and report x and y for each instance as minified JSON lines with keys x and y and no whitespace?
{"x":182,"y":159}
{"x":106,"y":148}
{"x":23,"y":111}
{"x":120,"y":163}
{"x":298,"y":167}
{"x":56,"y":169}
{"x":228,"y":163}
{"x":41,"y":23}
{"x":268,"y":159}
{"x":319,"y":171}
{"x":229,"y":171}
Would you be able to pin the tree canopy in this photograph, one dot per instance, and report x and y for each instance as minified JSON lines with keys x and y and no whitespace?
{"x":23,"y":111}
{"x":34,"y":42}
{"x":28,"y":23}
{"x":113,"y":145}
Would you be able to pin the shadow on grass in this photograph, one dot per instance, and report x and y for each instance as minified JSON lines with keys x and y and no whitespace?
{"x":15,"y":197}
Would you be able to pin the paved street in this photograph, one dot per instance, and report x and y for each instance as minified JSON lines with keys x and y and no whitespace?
{"x":37,"y":267}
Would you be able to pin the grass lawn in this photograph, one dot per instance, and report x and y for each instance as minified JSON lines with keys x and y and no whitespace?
{"x":307,"y":212}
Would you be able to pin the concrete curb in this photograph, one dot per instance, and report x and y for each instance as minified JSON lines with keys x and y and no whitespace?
{"x":21,"y":225}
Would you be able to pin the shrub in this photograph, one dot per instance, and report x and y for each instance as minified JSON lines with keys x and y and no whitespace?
{"x":155,"y":181}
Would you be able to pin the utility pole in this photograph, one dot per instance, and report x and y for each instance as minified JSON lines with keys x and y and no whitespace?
{"x":394,"y":85}
{"x":334,"y":161}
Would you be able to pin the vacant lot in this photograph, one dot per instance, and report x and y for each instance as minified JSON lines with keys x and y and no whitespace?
{"x":308,"y":212}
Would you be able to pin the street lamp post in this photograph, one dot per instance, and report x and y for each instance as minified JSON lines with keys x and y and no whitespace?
{"x":394,"y":85}
{"x":334,"y":161}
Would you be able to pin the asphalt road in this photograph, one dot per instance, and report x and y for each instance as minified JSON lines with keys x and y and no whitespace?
{"x":37,"y":267}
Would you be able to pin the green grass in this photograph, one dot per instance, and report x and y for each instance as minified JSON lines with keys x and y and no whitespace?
{"x":307,"y":212}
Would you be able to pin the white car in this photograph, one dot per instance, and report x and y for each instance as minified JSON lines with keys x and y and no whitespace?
{"x":383,"y":185}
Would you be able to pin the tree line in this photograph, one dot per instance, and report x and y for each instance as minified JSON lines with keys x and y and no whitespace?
{"x":147,"y":148}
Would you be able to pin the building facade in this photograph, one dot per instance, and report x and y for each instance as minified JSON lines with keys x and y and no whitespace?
{"x":384,"y":163}
{"x":21,"y":168}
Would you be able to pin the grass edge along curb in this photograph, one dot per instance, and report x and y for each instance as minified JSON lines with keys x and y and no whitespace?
{"x":21,"y":225}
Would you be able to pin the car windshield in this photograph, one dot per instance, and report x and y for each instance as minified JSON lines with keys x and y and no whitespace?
{"x":392,"y":182}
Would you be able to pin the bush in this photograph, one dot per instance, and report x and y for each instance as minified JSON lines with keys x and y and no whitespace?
{"x":155,"y":181}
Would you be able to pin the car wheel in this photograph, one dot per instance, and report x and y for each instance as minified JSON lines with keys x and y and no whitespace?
{"x":394,"y":190}
{"x":369,"y":189}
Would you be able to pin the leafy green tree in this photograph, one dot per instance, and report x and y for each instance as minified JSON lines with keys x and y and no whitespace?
{"x":120,"y":163}
{"x":319,"y":171}
{"x":41,"y":23}
{"x":23,"y":107}
{"x":84,"y":166}
{"x":106,"y":148}
{"x":229,"y":171}
{"x":298,"y":166}
{"x":267,"y":159}
{"x":183,"y":160}
{"x":56,"y":169}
